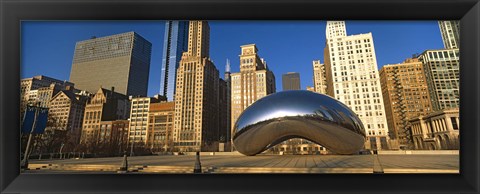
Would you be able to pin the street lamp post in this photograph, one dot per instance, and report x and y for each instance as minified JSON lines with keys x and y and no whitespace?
{"x":60,"y":152}
{"x":24,"y":162}
{"x":133,"y":144}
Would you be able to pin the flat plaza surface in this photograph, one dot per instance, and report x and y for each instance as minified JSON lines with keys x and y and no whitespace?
{"x":258,"y":164}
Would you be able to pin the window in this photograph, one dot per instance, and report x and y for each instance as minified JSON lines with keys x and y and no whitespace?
{"x":454,"y":123}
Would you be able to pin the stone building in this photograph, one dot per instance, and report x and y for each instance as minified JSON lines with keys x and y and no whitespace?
{"x":439,"y":130}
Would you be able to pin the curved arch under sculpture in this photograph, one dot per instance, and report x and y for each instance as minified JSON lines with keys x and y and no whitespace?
{"x":298,"y":114}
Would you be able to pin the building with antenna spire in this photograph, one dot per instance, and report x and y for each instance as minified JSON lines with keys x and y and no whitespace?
{"x":225,"y":109}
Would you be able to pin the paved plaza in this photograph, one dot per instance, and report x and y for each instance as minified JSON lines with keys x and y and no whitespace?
{"x":257,"y":164}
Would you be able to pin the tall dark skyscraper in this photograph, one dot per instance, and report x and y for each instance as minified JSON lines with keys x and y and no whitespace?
{"x":291,"y":81}
{"x":121,"y":61}
{"x":175,"y":43}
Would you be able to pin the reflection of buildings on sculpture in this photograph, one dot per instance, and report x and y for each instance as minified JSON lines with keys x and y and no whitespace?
{"x":436,"y":131}
{"x":298,"y":146}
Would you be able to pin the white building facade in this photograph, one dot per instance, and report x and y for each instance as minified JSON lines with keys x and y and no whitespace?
{"x":450,"y":31}
{"x":353,"y":78}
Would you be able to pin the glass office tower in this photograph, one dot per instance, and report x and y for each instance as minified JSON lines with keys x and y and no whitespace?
{"x":175,"y":43}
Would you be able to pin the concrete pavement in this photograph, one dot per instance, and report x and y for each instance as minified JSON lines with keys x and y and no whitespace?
{"x":258,"y":164}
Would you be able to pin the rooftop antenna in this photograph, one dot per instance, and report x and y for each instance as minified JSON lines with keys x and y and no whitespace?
{"x":227,"y":66}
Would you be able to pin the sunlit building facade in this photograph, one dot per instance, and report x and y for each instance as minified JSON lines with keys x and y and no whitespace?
{"x":439,"y":130}
{"x":139,"y":119}
{"x":105,"y":105}
{"x":319,"y":77}
{"x":405,"y":93}
{"x":196,"y":96}
{"x":352,"y":78}
{"x":160,"y":126}
{"x":253,"y":82}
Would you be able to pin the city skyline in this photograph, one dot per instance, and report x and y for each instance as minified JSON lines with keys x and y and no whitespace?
{"x":275,"y":48}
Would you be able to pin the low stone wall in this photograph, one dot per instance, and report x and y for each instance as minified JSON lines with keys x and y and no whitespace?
{"x":210,"y":153}
{"x":418,"y":152}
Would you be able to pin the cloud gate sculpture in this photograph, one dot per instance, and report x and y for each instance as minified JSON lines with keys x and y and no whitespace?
{"x":298,"y":114}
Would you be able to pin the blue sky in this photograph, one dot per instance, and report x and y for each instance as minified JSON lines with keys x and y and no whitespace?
{"x":287,"y":46}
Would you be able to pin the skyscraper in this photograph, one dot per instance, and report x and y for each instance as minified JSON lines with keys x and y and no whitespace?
{"x":352,"y":77}
{"x":225,"y":108}
{"x":253,"y":82}
{"x":174,"y":44}
{"x":442,"y":70}
{"x":291,"y":81}
{"x":121,"y":61}
{"x":405,"y":93}
{"x":319,"y":77}
{"x":450,"y":31}
{"x":196,"y":96}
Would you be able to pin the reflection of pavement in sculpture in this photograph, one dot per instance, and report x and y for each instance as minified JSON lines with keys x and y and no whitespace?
{"x":298,"y":114}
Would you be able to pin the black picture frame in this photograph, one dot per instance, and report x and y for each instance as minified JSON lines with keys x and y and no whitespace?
{"x":12,"y":12}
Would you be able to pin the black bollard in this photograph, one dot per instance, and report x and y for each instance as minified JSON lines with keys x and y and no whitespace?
{"x":377,"y":166}
{"x":124,"y":167}
{"x":198,"y":165}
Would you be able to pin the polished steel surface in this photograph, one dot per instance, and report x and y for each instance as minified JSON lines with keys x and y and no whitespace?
{"x":298,"y":114}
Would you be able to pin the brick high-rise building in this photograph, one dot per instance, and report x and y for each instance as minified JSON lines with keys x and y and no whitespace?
{"x":196,"y":97}
{"x":352,"y":78}
{"x":253,"y":82}
{"x":121,"y":61}
{"x":405,"y":93}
